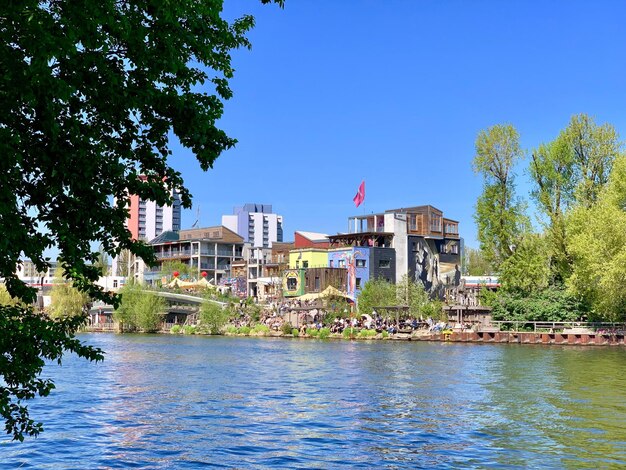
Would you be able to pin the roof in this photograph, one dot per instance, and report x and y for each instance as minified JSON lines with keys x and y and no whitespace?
{"x":168,"y":236}
{"x":313,"y":236}
{"x":413,"y":209}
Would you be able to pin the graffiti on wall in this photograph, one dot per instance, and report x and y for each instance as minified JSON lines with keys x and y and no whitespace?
{"x":424,"y":266}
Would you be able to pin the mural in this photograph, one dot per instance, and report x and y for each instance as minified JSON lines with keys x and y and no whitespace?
{"x":350,"y":260}
{"x":424,"y":266}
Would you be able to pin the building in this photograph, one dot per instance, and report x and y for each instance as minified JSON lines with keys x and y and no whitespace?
{"x":146,"y":220}
{"x":427,"y":245}
{"x":211,"y":250}
{"x":256,"y":223}
{"x":363,"y":263}
{"x":28,"y":273}
{"x":310,"y":240}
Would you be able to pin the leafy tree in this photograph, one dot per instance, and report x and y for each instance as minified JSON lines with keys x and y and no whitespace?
{"x":528,"y":269}
{"x":139,"y":309}
{"x":475,"y":263}
{"x":5,"y":297}
{"x":91,"y":94}
{"x":552,"y":171}
{"x":499,"y":214}
{"x":598,"y":246}
{"x":66,"y":300}
{"x":376,"y":293}
{"x":170,"y":267}
{"x":380,"y":293}
{"x":570,"y":171}
{"x":102,"y":263}
{"x":213,"y":316}
{"x":552,"y":304}
{"x":595,"y":149}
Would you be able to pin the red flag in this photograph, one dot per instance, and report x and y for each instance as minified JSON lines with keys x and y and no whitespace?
{"x":360,"y":195}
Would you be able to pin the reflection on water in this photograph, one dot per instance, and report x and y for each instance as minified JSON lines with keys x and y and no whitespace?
{"x":181,"y":402}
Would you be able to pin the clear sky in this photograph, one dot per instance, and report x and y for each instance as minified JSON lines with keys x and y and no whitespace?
{"x":395,"y":92}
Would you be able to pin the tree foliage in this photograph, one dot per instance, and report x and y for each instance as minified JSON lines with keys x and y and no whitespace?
{"x":66,"y":300}
{"x":475,"y":263}
{"x":213,"y":317}
{"x":91,"y":94}
{"x":499,"y":214}
{"x":170,"y":267}
{"x":140,"y":309}
{"x":598,"y":246}
{"x":380,"y":293}
{"x":527,"y":270}
{"x":569,"y":172}
{"x":552,"y":304}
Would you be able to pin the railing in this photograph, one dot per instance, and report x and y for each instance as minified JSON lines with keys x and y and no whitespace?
{"x":538,"y":327}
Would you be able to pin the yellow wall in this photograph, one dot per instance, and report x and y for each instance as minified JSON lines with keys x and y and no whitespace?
{"x":317,"y":258}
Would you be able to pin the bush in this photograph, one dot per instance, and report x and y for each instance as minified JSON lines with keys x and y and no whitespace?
{"x":295,"y":332}
{"x":324,"y":333}
{"x":261,"y":329}
{"x":286,"y":328}
{"x":213,"y":317}
{"x":244,"y":330}
{"x":385,"y":334}
{"x":231,"y":330}
{"x":349,"y":332}
{"x":312,"y":332}
{"x":189,"y":330}
{"x":175,"y":329}
{"x":367,"y":334}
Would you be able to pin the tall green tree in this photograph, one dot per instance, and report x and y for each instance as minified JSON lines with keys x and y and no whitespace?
{"x":90,"y":96}
{"x":65,"y":299}
{"x":528,"y":269}
{"x":499,"y":213}
{"x":595,"y":148}
{"x":598,"y":247}
{"x":140,"y":309}
{"x":475,"y":263}
{"x":570,"y":171}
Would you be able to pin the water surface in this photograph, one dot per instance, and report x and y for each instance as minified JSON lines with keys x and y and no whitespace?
{"x":164,"y":401}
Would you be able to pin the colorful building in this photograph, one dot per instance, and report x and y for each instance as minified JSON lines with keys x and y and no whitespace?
{"x":308,"y":258}
{"x":363,"y":263}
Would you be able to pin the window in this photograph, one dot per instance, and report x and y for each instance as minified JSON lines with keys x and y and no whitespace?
{"x":358,"y":282}
{"x":305,"y":264}
{"x":454,"y":249}
{"x":114,"y":283}
{"x":360,"y":263}
{"x":330,"y":263}
{"x":317,"y":283}
{"x":292,"y":283}
{"x":384,"y":263}
{"x":341,"y":263}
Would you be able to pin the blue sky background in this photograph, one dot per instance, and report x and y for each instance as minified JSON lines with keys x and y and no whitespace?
{"x":395,"y":92}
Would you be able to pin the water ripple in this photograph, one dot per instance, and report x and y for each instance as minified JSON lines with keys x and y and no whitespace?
{"x":168,"y":402}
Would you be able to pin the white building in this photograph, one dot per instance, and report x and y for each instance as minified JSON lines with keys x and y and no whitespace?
{"x":256,"y":223}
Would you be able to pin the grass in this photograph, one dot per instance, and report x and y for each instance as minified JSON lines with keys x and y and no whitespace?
{"x":295,"y":332}
{"x":175,"y":329}
{"x":244,"y":330}
{"x":261,"y":329}
{"x":189,"y":330}
{"x":366,"y":334}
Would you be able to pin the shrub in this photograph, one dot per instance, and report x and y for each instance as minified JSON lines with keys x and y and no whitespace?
{"x":232,"y":330}
{"x":313,"y":332}
{"x":350,"y":332}
{"x":385,"y":334}
{"x":286,"y":328}
{"x":213,"y":317}
{"x":295,"y":332}
{"x":324,"y":333}
{"x":189,"y":330}
{"x":175,"y":329}
{"x":244,"y":330}
{"x":366,"y":334}
{"x":261,"y":329}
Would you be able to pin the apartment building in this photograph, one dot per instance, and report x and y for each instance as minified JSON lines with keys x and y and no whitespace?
{"x":256,"y":223}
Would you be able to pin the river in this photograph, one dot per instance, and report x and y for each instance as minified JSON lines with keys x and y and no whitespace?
{"x":165,"y":401}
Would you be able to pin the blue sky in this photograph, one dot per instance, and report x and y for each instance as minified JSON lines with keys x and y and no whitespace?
{"x":395,"y":92}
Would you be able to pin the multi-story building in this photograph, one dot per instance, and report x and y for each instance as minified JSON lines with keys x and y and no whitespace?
{"x":146,"y":220}
{"x":211,"y":250}
{"x":427,"y":245}
{"x":256,"y":223}
{"x":27,"y":272}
